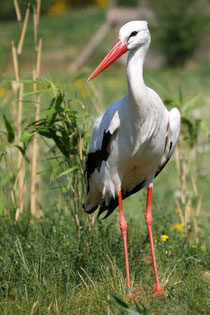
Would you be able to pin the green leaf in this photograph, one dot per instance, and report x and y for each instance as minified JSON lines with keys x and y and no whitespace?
{"x":2,"y":155}
{"x":10,"y":131}
{"x":24,"y":81}
{"x":54,"y":107}
{"x":51,"y":116}
{"x":187,"y":123}
{"x":23,"y":151}
{"x":26,"y":136}
{"x":144,"y":310}
{"x":72,"y":112}
{"x":45,"y":134}
{"x":1,"y":207}
{"x":69,"y":170}
{"x":39,"y":91}
{"x":58,"y":101}
{"x":47,"y":112}
{"x":122,"y":305}
{"x":169,"y":101}
{"x":119,"y":301}
{"x":190,"y":104}
{"x":188,"y":130}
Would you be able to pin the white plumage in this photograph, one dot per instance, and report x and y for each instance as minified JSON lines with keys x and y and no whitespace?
{"x":141,"y":128}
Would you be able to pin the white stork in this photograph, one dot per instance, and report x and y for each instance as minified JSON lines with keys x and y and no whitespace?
{"x":132,"y":141}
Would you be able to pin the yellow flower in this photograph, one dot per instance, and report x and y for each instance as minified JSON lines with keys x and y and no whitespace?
{"x":2,"y":92}
{"x":155,"y":239}
{"x":194,"y":246}
{"x":178,"y":227}
{"x":59,"y":7}
{"x":102,"y":3}
{"x":164,"y":237}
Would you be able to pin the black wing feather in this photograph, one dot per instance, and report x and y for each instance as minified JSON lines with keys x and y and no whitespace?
{"x":114,"y":201}
{"x":95,"y":159}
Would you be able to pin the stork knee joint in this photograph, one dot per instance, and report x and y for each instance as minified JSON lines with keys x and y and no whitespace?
{"x":148,"y":218}
{"x":123,"y":224}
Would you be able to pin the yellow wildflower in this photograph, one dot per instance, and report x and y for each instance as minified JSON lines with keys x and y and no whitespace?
{"x":102,"y":3}
{"x":2,"y":92}
{"x":155,"y":239}
{"x":59,"y":7}
{"x":164,"y":237}
{"x":177,"y":227}
{"x":194,"y":246}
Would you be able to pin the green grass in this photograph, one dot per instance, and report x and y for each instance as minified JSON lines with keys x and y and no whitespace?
{"x":46,"y":269}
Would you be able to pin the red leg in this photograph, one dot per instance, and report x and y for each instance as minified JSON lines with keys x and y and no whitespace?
{"x":123,"y":227}
{"x":149,"y":220}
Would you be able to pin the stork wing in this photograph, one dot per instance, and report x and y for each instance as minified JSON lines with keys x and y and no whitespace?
{"x":105,"y":127}
{"x":171,"y":138}
{"x":170,"y":143}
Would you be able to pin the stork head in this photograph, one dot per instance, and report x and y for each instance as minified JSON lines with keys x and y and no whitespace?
{"x":132,"y":36}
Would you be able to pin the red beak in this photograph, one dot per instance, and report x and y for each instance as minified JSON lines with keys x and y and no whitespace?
{"x":116,"y":52}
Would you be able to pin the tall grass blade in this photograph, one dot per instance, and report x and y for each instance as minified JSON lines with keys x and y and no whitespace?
{"x":122,"y":305}
{"x":70,"y":170}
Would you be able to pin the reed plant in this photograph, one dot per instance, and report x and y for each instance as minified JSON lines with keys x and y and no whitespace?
{"x":18,"y":88}
{"x":64,"y":132}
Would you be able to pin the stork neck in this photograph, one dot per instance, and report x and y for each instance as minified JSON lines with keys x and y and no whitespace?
{"x":136,"y":85}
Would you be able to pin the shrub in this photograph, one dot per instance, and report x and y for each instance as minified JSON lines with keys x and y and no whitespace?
{"x":181,"y":28}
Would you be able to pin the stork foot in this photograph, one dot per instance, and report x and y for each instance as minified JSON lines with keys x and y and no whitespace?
{"x":159,"y":292}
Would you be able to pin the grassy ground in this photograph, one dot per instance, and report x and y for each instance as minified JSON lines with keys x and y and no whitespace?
{"x":45,"y":268}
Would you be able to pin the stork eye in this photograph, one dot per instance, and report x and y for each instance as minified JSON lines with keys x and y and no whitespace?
{"x":134,"y":33}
